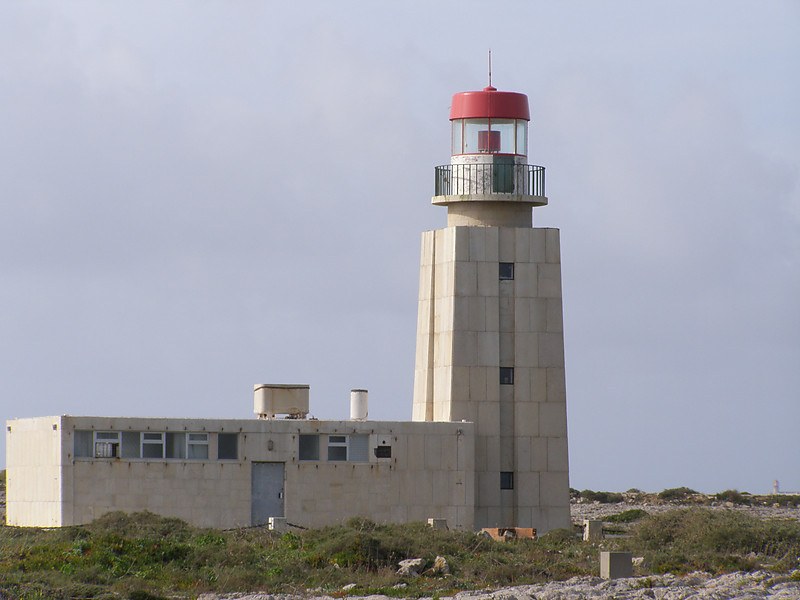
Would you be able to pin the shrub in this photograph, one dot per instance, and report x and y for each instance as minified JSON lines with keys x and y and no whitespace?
{"x":711,"y":540}
{"x":602,"y":497}
{"x":782,"y":500}
{"x":141,"y":524}
{"x":732,"y":496}
{"x":680,"y":493}
{"x":144,"y":595}
{"x":627,"y":516}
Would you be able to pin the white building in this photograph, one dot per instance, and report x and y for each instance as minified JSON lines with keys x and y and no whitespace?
{"x":487,"y":446}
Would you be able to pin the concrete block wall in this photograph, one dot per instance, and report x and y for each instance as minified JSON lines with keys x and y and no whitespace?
{"x":470,"y":324}
{"x":430,"y":473}
{"x":33,"y":472}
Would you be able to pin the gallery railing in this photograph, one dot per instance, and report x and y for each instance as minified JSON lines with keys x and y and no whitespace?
{"x":523,"y":180}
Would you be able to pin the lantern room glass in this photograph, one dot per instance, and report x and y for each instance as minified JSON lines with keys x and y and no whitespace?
{"x":489,"y":136}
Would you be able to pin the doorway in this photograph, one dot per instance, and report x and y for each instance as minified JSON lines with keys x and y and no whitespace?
{"x":266,"y":491}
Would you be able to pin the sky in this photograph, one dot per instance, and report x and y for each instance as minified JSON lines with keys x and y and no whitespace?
{"x":196,"y":197}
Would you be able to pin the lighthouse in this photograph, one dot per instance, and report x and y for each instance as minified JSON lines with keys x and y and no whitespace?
{"x":490,"y":341}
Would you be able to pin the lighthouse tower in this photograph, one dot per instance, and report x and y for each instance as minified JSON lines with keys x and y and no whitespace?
{"x":490,"y":342}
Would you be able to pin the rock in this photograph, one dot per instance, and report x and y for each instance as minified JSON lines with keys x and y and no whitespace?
{"x":440,"y":566}
{"x":411,"y":567}
{"x":348,"y":587}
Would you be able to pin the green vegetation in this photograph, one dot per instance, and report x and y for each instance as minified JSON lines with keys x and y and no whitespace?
{"x":734,"y":496}
{"x":146,"y":556}
{"x":627,"y":516}
{"x":677,"y":494}
{"x":780,"y":500}
{"x":601,"y":497}
{"x":716,"y":541}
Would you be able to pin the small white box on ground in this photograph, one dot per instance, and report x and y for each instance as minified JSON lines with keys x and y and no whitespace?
{"x":592,"y":531}
{"x":440,"y":524}
{"x":614,"y":565}
{"x":277,"y":524}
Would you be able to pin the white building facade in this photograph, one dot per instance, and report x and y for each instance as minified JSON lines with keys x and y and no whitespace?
{"x":236,"y":473}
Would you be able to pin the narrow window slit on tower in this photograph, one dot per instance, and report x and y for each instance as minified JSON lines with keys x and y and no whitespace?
{"x":506,"y":270}
{"x":506,"y":375}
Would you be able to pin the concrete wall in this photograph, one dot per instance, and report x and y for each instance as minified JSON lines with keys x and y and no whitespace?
{"x":430,"y":473}
{"x":33,"y":472}
{"x":470,"y":324}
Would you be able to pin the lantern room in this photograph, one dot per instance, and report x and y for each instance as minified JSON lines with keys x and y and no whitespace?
{"x":489,"y":122}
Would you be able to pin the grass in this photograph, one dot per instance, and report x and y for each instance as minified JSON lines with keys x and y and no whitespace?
{"x":716,"y":541}
{"x":143,"y":556}
{"x":146,"y":556}
{"x":601,"y":497}
{"x":627,"y":516}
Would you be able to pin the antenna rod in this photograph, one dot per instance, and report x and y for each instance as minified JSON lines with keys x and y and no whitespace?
{"x":490,"y":67}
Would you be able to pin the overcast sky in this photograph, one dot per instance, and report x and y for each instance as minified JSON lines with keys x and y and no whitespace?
{"x":196,"y":197}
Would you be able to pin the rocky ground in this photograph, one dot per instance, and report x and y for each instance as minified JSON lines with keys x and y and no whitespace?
{"x":696,"y":586}
{"x":597,"y":511}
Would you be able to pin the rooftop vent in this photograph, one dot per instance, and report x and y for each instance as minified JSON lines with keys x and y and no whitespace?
{"x":359,"y":405}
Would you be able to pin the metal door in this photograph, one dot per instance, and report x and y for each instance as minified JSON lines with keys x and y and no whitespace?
{"x":503,"y":170}
{"x":266,"y":492}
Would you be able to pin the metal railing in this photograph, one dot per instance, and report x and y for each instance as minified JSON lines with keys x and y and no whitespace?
{"x":522,"y":180}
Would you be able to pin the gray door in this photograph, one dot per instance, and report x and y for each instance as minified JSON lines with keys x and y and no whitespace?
{"x":267,"y":492}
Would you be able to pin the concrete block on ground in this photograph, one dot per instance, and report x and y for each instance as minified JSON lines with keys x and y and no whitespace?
{"x":614,"y":565}
{"x":592,"y":530}
{"x":277,"y":524}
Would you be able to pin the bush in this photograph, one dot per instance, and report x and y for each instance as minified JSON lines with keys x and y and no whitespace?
{"x":601,"y":497}
{"x":627,"y":516}
{"x":716,"y":541}
{"x":733,"y":496}
{"x":145,"y":556}
{"x":782,"y":500}
{"x":681,"y":493}
{"x":140,"y":524}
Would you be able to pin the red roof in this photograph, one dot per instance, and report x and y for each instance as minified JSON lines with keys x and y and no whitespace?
{"x":489,"y":103}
